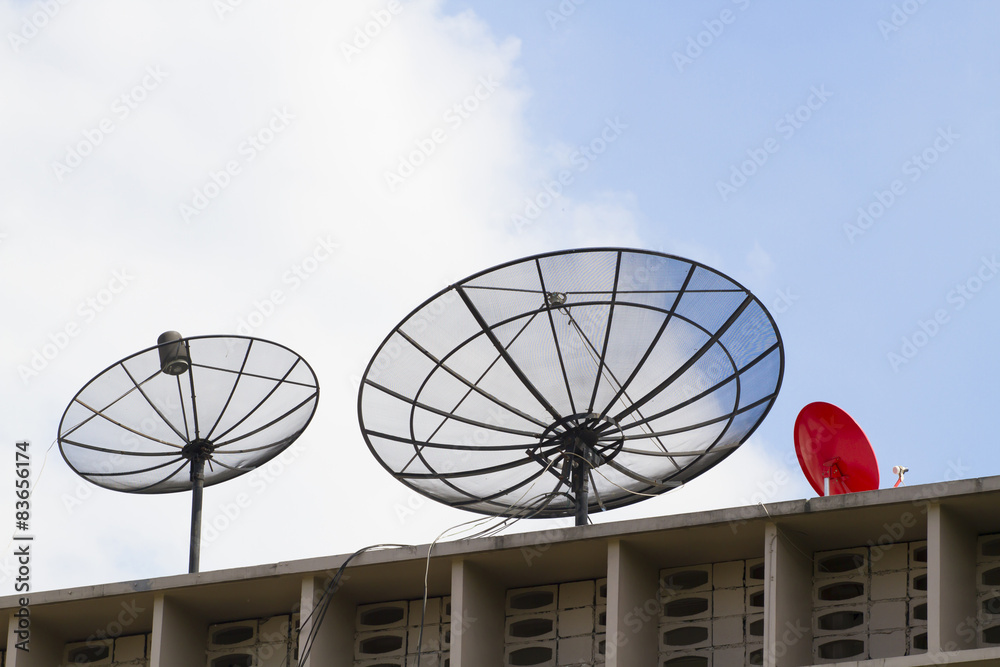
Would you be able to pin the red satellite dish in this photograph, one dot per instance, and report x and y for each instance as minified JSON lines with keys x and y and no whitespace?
{"x":833,"y":451}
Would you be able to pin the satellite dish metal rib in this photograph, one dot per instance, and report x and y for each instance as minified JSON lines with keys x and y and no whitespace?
{"x":600,"y":376}
{"x":213,"y":407}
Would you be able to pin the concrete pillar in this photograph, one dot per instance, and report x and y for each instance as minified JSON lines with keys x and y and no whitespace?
{"x":787,"y":600}
{"x":180,"y":635}
{"x":478,"y":604}
{"x":951,"y":581}
{"x":45,"y":647}
{"x":334,"y":643}
{"x":634,"y":608}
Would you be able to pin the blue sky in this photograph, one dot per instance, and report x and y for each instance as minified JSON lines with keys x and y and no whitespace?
{"x":745,"y":135}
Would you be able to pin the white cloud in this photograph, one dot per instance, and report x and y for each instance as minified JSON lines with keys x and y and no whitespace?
{"x":282,"y":144}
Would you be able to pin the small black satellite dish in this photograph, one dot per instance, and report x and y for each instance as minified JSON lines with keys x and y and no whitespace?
{"x":601,"y":376}
{"x":188,"y":413}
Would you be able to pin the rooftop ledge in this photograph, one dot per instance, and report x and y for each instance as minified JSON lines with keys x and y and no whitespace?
{"x":972,"y":495}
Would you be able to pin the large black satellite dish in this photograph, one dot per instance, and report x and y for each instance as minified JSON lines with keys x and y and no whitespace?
{"x":188,"y":413}
{"x":569,"y":382}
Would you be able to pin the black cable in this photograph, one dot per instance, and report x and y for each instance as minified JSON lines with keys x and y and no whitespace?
{"x":323,"y":605}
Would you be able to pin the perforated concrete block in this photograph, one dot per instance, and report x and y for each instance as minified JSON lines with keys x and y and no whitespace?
{"x":918,"y":582}
{"x":446,"y":609}
{"x":602,"y":591}
{"x":380,"y":644}
{"x":989,"y":605}
{"x":688,"y":606}
{"x":887,"y":615}
{"x":397,"y":661}
{"x":755,"y":654}
{"x":754,"y":624}
{"x":887,"y":644}
{"x":535,"y":598}
{"x":889,"y":585}
{"x":600,"y":647}
{"x":727,"y":631}
{"x":236,"y":634}
{"x":840,"y":648}
{"x":840,"y":563}
{"x":754,"y":572}
{"x":533,"y":654}
{"x":685,"y":636}
{"x":690,"y":579}
{"x":918,"y":554}
{"x":840,"y":591}
{"x":755,"y":599}
{"x":230,"y":656}
{"x":530,"y":627}
{"x":988,"y":548}
{"x":917,"y":614}
{"x":381,"y":616}
{"x":989,"y":634}
{"x":576,"y":594}
{"x":988,"y":576}
{"x":917,"y":641}
{"x":686,"y":659}
{"x":840,"y":620}
{"x":601,"y":618}
{"x":729,"y":602}
{"x":729,"y":574}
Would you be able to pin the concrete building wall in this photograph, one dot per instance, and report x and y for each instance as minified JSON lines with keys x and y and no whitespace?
{"x":660,"y":591}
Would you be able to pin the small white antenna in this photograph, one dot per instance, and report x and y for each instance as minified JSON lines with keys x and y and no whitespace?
{"x":899,"y":470}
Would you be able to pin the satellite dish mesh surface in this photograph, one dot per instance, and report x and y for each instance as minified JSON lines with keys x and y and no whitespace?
{"x":188,"y":413}
{"x":569,"y":382}
{"x":128,"y":428}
